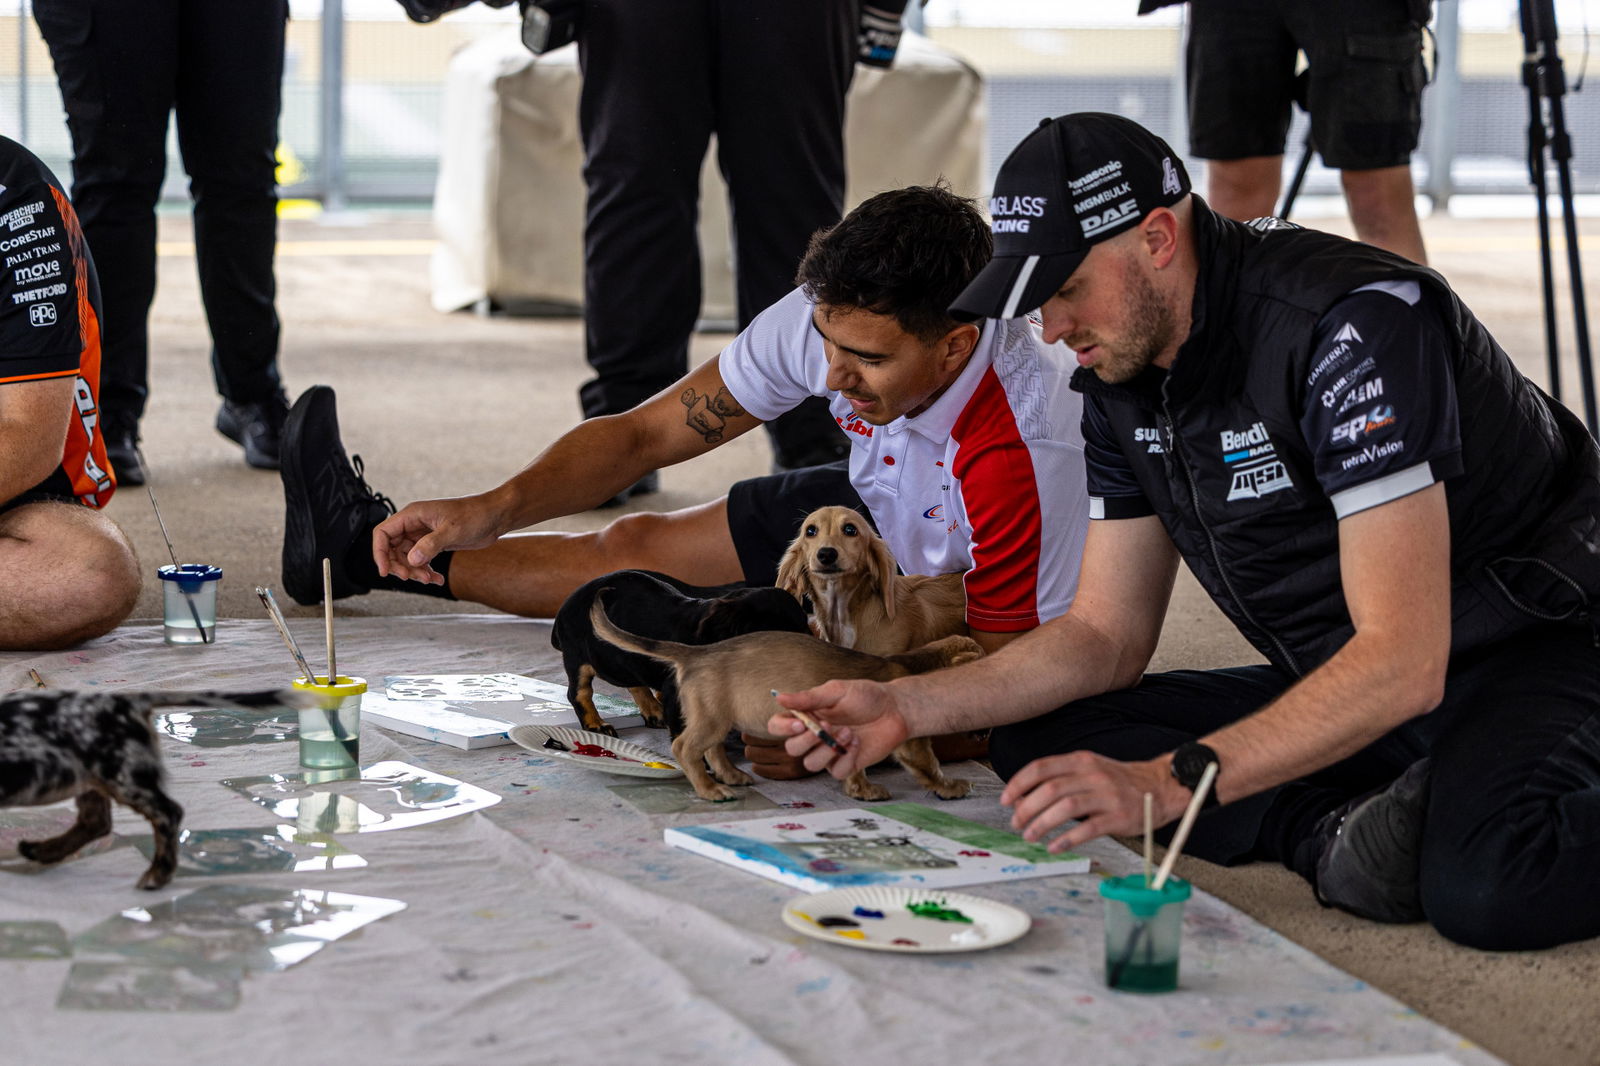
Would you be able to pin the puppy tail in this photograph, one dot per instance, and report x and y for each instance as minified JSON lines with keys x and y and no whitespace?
{"x":607,"y":630}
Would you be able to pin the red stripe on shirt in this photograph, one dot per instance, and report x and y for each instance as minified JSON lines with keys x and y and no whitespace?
{"x":1001,"y":493}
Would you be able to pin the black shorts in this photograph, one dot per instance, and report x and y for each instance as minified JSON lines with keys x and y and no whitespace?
{"x":764,"y":513}
{"x":1365,"y":78}
{"x":34,"y":496}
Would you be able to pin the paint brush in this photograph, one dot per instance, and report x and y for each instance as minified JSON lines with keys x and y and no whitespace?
{"x":1149,"y":837}
{"x":188,"y":597}
{"x":327,"y":617}
{"x":37,"y":680}
{"x":1182,"y":835}
{"x":1190,"y":813}
{"x":815,"y":726}
{"x":276,"y":614}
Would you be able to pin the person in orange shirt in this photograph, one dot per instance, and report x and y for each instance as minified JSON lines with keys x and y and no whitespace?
{"x":67,"y":573}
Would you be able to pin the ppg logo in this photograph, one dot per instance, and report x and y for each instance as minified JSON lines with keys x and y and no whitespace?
{"x":42,"y":314}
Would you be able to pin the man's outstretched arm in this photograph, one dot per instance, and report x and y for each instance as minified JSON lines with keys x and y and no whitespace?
{"x":1103,"y":642}
{"x":586,"y":466}
{"x":1395,"y":565}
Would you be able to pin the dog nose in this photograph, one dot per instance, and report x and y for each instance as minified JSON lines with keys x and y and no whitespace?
{"x":827,"y":556}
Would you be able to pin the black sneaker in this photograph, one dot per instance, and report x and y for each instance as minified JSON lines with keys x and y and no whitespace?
{"x":256,"y":426}
{"x":327,"y":501}
{"x":651,"y":482}
{"x":122,"y":450}
{"x":1371,"y":850}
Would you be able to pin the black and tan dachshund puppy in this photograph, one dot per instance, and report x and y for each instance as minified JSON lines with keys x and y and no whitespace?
{"x":656,"y":605}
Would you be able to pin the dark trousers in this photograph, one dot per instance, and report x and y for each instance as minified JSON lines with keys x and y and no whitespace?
{"x":1511,"y":844}
{"x":124,"y":68}
{"x":768,"y":77}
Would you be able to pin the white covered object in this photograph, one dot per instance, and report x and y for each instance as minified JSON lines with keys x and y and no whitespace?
{"x":509,"y":203}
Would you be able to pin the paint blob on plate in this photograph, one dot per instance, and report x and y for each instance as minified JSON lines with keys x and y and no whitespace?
{"x":594,"y":751}
{"x":889,"y":918}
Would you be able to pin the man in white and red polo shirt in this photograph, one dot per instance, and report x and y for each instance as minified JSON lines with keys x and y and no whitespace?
{"x":966,"y":450}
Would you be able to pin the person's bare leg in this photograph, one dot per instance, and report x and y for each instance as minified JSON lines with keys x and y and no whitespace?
{"x":1244,"y":188}
{"x":67,"y":574}
{"x":1383,"y":209}
{"x":532,"y":574}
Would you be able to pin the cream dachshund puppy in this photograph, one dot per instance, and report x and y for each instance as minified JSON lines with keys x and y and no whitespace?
{"x":860,"y":601}
{"x":857,"y":598}
{"x":729,"y":684}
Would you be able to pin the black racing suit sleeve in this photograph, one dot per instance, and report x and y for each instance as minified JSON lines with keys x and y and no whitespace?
{"x":39,"y":328}
{"x":1114,"y":490}
{"x":1380,"y":413}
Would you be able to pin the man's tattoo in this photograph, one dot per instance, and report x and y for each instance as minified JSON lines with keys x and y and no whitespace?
{"x":708,"y":415}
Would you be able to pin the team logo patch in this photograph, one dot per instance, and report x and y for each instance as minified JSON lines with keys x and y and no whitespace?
{"x":42,"y":314}
{"x":1253,"y":463}
{"x":1363,"y":425}
{"x":936,"y":512}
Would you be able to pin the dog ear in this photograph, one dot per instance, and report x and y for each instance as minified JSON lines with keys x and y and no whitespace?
{"x":792,"y":570}
{"x":880,"y":560}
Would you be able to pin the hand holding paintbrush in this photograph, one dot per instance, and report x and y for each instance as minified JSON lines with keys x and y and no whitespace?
{"x":816,"y":727}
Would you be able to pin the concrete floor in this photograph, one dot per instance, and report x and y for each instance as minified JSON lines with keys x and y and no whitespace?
{"x":449,"y":404}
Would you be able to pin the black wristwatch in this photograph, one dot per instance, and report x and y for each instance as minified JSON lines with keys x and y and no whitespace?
{"x":1189,"y":763}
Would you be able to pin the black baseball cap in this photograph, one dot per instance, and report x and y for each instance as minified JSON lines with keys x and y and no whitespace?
{"x":1073,"y":182}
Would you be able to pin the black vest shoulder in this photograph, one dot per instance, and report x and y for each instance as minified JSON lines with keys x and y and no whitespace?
{"x":1261,"y":536}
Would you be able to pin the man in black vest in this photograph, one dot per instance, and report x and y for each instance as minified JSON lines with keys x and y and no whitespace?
{"x":1405,"y":527}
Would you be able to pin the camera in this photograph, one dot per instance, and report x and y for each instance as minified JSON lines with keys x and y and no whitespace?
{"x":546,"y":24}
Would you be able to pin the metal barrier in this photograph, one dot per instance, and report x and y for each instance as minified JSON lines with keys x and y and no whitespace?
{"x":364,"y":88}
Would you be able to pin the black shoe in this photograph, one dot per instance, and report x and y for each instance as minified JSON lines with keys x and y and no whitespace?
{"x":806,"y":436}
{"x":819,"y":455}
{"x":327,"y":501}
{"x":122,"y":450}
{"x":256,"y":426}
{"x":651,"y":482}
{"x":1371,"y":850}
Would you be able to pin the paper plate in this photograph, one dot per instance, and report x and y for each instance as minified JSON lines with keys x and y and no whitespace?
{"x":886,"y":918}
{"x":624,"y":758}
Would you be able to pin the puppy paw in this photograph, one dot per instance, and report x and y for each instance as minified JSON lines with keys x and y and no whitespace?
{"x":44,"y":852}
{"x":865,"y":791}
{"x":717,"y":793}
{"x":598,"y":727}
{"x":654,"y":721}
{"x":154,"y":879}
{"x":733,"y":777}
{"x":952,"y":789}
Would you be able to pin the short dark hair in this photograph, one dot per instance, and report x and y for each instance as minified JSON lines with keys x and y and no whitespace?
{"x":906,"y":253}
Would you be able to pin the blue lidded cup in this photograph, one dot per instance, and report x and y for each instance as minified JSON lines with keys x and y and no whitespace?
{"x":189,"y":602}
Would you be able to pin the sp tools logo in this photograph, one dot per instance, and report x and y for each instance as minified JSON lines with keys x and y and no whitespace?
{"x":1380,"y":417}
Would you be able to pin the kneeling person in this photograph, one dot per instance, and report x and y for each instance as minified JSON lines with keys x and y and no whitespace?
{"x":69,"y":572}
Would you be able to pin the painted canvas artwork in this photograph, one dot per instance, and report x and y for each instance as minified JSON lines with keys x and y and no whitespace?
{"x":476,"y":710}
{"x":889,"y":844}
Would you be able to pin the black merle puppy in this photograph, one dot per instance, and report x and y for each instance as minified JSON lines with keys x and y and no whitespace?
{"x":99,"y":747}
{"x":656,"y":605}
